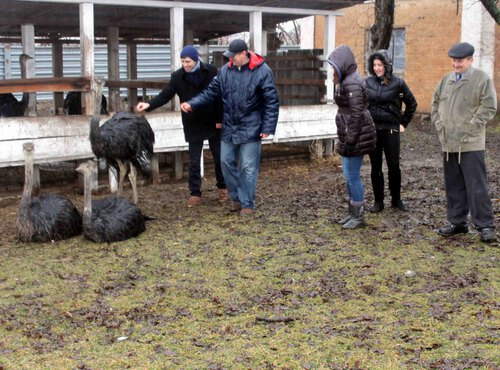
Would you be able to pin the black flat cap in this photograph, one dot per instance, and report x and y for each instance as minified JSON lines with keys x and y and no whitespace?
{"x":235,"y":47}
{"x":461,"y":50}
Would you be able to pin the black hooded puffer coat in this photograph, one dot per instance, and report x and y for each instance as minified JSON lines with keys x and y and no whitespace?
{"x":355,"y":127}
{"x":385,"y":100}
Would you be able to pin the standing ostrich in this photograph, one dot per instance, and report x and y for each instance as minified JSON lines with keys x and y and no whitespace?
{"x":124,"y":140}
{"x":46,"y":218}
{"x":109,"y":219}
{"x":9,"y":106}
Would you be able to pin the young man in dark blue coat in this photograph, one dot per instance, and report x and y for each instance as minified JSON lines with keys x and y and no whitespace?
{"x":251,"y":107}
{"x":187,"y":82}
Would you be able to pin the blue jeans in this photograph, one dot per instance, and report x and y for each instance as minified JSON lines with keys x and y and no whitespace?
{"x":240,"y":166}
{"x":351,"y":168}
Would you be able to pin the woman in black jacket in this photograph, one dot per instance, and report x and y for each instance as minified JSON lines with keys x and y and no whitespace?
{"x":386,"y":93}
{"x":205,"y":124}
{"x":355,"y":130}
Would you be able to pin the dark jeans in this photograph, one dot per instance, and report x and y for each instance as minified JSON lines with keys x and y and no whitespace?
{"x":195,"y":152}
{"x":388,"y":143}
{"x":467,"y":189}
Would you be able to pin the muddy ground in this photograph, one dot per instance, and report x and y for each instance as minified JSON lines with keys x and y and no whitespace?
{"x":291,"y":184}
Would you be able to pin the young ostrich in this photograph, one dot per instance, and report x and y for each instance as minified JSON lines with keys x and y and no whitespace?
{"x":9,"y":106}
{"x":46,"y":218}
{"x":109,"y":219}
{"x":124,"y":140}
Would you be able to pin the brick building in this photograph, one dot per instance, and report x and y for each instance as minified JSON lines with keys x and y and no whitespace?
{"x":427,"y":28}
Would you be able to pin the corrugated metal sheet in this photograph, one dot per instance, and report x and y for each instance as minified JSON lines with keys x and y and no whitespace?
{"x":153,"y":61}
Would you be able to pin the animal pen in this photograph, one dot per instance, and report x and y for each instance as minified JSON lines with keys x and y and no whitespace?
{"x":302,"y":78}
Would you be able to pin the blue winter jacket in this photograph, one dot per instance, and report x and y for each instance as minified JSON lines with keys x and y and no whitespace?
{"x":249,"y":97}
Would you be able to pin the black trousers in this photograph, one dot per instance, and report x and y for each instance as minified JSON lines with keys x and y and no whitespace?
{"x":195,"y":152}
{"x":388,"y":143}
{"x":466,"y":186}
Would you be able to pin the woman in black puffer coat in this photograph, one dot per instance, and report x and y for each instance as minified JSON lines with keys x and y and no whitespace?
{"x":386,"y":93}
{"x":355,"y":130}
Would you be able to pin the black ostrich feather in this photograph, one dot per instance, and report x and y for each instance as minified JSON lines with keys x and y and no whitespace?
{"x":49,"y":217}
{"x":114,"y":219}
{"x":126,"y":137}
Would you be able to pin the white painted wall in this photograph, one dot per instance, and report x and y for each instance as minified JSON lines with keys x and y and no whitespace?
{"x":306,"y":32}
{"x":478,"y":29}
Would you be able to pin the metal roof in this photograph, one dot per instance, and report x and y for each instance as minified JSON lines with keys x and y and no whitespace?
{"x":150,"y":19}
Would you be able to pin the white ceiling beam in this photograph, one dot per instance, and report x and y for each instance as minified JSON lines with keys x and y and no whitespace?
{"x":199,"y":6}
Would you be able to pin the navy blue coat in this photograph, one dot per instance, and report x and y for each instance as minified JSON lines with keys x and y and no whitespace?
{"x":201,"y":124}
{"x":249,"y":98}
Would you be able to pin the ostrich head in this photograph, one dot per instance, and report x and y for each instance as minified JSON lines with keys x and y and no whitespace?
{"x":86,"y":168}
{"x":23,"y":61}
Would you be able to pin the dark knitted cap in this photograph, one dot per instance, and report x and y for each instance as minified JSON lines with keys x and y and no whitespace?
{"x":235,"y":47}
{"x":461,"y":50}
{"x":190,"y":51}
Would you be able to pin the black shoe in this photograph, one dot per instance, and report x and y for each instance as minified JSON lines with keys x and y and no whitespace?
{"x":377,"y":207}
{"x":487,"y":234}
{"x":400,"y":205}
{"x":453,"y":229}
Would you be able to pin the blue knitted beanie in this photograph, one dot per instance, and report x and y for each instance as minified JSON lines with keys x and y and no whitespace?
{"x":190,"y":52}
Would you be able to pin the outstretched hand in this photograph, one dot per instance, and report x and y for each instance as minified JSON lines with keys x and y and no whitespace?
{"x":186,"y":107}
{"x":140,"y":107}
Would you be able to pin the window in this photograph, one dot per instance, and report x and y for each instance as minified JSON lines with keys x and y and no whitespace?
{"x":396,"y":50}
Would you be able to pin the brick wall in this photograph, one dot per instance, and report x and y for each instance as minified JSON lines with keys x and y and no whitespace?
{"x":432,"y":26}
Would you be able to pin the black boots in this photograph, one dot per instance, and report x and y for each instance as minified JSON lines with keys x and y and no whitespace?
{"x":400,"y":206}
{"x":377,"y":207}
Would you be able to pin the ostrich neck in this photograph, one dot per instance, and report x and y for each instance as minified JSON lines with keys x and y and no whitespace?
{"x":87,"y":199}
{"x":28,"y":179}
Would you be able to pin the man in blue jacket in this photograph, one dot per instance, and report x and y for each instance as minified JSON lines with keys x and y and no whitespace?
{"x":251,"y":107}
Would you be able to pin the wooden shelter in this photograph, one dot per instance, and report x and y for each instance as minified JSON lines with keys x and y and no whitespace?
{"x":133,"y":22}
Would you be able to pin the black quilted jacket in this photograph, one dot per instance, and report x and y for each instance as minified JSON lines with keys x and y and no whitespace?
{"x":355,"y":127}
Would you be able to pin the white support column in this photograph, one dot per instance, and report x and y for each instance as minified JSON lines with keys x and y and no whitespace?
{"x":329,"y":39}
{"x":478,"y":29}
{"x":87,"y":54}
{"x":113,"y":67}
{"x":176,"y":45}
{"x":28,"y":41}
{"x":328,"y":48}
{"x":256,"y":32}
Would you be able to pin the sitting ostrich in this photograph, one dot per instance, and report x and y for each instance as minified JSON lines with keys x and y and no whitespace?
{"x":9,"y":105}
{"x":45,"y":218}
{"x":124,"y":140}
{"x":109,"y":219}
{"x":73,"y":104}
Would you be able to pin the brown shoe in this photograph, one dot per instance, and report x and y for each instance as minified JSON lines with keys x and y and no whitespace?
{"x":193,"y":201}
{"x":223,"y":195}
{"x":246,"y":212}
{"x":235,"y":206}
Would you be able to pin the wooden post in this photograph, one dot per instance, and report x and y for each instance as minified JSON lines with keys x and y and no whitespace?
{"x":28,"y":41}
{"x":87,"y":55}
{"x":57,"y":65}
{"x":113,"y":68}
{"x":132,"y":74}
{"x":155,"y":167}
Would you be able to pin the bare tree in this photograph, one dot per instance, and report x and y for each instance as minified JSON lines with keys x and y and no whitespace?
{"x":289,"y":35}
{"x":381,"y":30}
